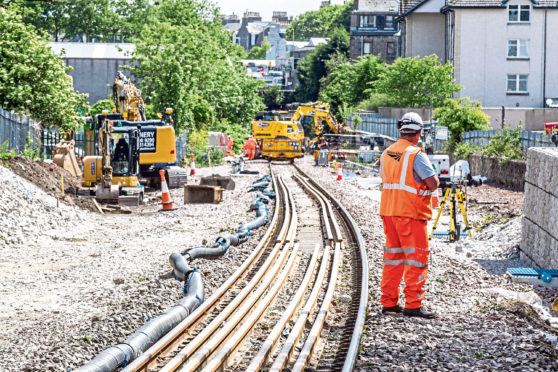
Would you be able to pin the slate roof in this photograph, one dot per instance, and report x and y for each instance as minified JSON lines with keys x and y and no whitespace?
{"x":406,"y":5}
{"x":257,"y":27}
{"x":234,"y":26}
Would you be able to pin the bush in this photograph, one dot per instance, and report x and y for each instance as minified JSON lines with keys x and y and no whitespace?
{"x":464,"y":150}
{"x":5,"y":153}
{"x":203,"y":154}
{"x":100,"y":105}
{"x":29,"y":152}
{"x":460,"y":116}
{"x":506,"y":144}
{"x":377,"y":100}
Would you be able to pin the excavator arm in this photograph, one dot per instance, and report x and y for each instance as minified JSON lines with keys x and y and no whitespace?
{"x":127,"y":98}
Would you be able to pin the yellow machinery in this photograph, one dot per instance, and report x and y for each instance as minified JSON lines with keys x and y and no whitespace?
{"x":65,"y":157}
{"x":277,"y":139}
{"x":157,"y":141}
{"x":127,"y":98}
{"x":114,"y":173}
{"x":316,"y":119}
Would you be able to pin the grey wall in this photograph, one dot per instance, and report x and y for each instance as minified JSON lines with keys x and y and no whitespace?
{"x":94,"y":76}
{"x":425,"y":35}
{"x":539,"y":235}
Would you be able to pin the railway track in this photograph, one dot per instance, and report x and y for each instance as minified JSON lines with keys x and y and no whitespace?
{"x":297,"y":302}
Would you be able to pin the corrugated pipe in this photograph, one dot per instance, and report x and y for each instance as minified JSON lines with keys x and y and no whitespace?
{"x":121,"y":354}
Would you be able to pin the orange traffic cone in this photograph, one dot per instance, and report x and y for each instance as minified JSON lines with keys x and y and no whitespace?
{"x":192,"y":166}
{"x":166,"y":199}
{"x":340,"y":172}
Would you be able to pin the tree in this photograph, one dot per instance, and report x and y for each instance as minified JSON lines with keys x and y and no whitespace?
{"x":314,"y":67}
{"x":346,"y":82}
{"x":412,"y":82}
{"x":321,"y":23}
{"x":461,"y":115}
{"x":259,"y":52}
{"x":186,"y":60}
{"x":272,"y":97}
{"x":33,"y":80}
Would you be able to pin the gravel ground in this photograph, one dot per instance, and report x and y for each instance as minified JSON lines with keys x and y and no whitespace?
{"x":478,"y":327}
{"x":74,"y":282}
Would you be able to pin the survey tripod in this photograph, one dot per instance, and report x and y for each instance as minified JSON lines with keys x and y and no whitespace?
{"x":456,"y":196}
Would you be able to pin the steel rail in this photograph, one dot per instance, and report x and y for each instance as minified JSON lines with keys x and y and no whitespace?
{"x":177,"y":334}
{"x":353,"y":348}
{"x":218,"y":360}
{"x":319,"y":321}
{"x":296,"y":331}
{"x":241,"y":305}
{"x":273,"y":337}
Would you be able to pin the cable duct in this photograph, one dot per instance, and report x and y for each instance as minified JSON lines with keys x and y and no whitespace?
{"x":121,"y":354}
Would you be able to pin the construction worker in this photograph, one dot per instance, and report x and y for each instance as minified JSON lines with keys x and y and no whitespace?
{"x":230,"y":144}
{"x":408,"y":182}
{"x":250,"y":147}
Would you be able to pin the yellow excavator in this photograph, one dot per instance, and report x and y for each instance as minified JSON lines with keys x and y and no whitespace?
{"x":112,"y":176}
{"x":157,"y":142}
{"x":317,"y":120}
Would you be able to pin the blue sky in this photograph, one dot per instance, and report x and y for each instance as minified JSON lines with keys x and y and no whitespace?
{"x":266,"y":7}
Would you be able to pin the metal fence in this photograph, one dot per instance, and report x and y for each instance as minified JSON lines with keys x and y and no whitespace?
{"x":374,"y":123}
{"x":528,"y":138}
{"x":17,"y":131}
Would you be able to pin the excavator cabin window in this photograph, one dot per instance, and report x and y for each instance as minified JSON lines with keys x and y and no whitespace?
{"x":120,"y":154}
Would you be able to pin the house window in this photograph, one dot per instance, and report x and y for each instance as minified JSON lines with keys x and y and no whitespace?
{"x":390,"y":50}
{"x":518,"y":83}
{"x":389,"y":23}
{"x":368,"y":21}
{"x":367,"y":49}
{"x":518,"y":48}
{"x":519,"y":13}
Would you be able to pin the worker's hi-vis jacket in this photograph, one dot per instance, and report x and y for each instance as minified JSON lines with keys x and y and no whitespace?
{"x":402,"y":195}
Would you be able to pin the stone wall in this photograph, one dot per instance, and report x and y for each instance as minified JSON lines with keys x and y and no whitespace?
{"x":539,"y":236}
{"x":510,"y":173}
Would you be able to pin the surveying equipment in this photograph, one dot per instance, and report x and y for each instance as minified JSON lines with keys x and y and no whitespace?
{"x":456,"y":195}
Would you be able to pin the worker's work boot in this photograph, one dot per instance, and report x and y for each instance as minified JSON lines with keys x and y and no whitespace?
{"x":392,"y":309}
{"x":419,"y":312}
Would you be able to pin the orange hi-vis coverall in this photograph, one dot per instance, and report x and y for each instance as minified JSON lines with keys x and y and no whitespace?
{"x":250,"y":148}
{"x":229,"y":148}
{"x":405,"y":208}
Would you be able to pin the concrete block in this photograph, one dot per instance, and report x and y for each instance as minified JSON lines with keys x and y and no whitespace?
{"x":538,"y":245}
{"x":542,"y":168}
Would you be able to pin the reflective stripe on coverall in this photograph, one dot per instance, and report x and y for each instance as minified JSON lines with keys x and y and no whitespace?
{"x":405,"y":208}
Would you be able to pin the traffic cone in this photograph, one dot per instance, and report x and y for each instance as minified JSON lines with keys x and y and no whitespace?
{"x":192,"y":166}
{"x":340,"y":172}
{"x":166,"y":199}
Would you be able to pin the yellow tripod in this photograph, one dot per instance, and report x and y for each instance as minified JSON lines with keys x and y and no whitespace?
{"x":455,"y":196}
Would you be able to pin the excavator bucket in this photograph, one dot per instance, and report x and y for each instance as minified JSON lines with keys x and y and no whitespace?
{"x":65,"y":157}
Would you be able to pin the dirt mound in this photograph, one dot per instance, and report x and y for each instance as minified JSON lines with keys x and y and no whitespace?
{"x":46,"y":176}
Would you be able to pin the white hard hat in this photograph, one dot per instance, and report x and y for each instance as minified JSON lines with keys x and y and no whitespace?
{"x":410,"y":123}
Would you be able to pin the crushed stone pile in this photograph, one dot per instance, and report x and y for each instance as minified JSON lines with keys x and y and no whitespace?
{"x":27,"y":212}
{"x":493,"y":242}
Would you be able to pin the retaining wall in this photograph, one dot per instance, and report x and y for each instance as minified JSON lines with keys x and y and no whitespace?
{"x":539,"y":235}
{"x":510,"y":173}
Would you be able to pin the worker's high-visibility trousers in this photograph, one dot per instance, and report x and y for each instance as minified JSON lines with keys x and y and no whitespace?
{"x":251,"y":153}
{"x":405,"y":256}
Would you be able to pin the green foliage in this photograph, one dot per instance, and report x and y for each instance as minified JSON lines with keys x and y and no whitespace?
{"x":186,"y":61}
{"x":33,"y":80}
{"x":150,"y":112}
{"x":313,"y":68}
{"x":87,"y":20}
{"x":357,"y":120}
{"x":259,"y":52}
{"x":100,"y":105}
{"x":238,"y":132}
{"x":346,"y":82}
{"x":320,"y":23}
{"x":506,"y":145}
{"x":203,"y":154}
{"x":5,"y":153}
{"x":29,"y":152}
{"x":464,"y":150}
{"x":272,"y":97}
{"x":412,"y":82}
{"x":461,"y":115}
{"x":376,"y":100}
